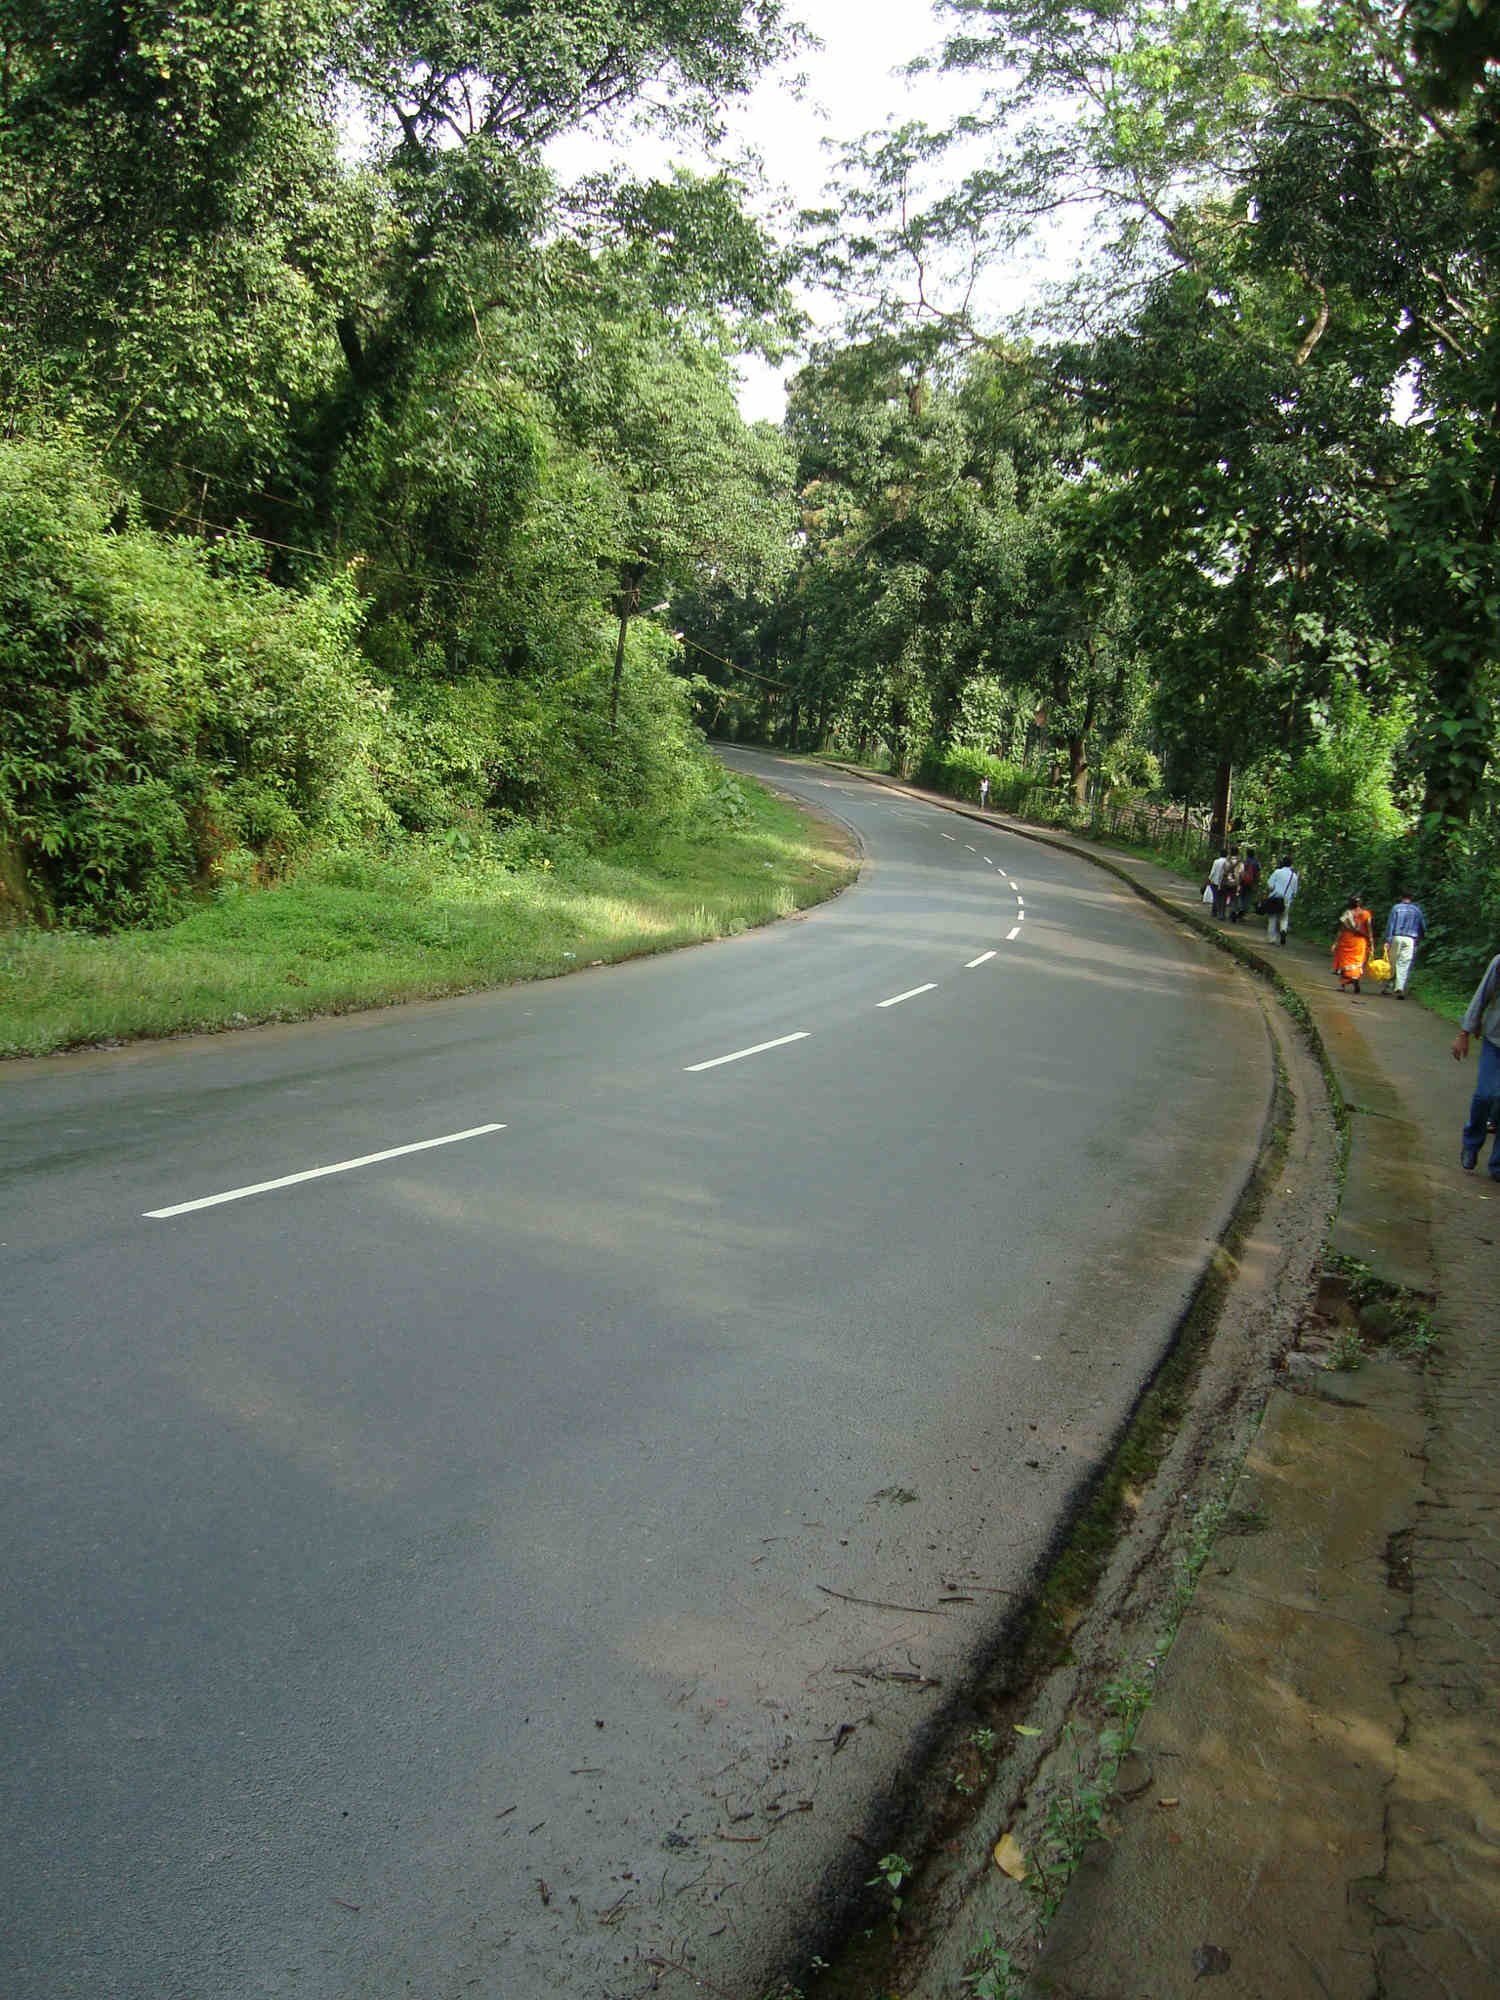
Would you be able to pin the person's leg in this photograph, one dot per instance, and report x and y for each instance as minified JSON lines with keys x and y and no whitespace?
{"x":1271,"y":930}
{"x":1399,"y":951}
{"x":1491,"y":1082}
{"x":1481,"y":1108}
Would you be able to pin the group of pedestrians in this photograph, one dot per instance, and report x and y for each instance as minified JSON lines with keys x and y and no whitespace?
{"x":1354,"y":944}
{"x":1232,"y":882}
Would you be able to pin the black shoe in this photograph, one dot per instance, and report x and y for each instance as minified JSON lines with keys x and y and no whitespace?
{"x":1468,"y":1159}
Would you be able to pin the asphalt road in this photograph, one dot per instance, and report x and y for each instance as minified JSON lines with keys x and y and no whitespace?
{"x":417,"y":1577}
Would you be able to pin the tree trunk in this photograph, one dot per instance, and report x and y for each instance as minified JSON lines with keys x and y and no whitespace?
{"x":1078,"y":769}
{"x":631,"y":576}
{"x":1218,"y":833}
{"x":1078,"y":744}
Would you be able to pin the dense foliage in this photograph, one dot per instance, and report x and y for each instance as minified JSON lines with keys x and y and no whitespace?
{"x":343,"y":444}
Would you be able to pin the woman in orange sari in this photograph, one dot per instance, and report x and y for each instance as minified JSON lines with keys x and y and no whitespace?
{"x":1352,"y":945}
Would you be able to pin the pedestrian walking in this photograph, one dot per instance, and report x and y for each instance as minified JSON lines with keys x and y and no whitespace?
{"x":1249,"y":883}
{"x":1405,"y":929}
{"x":1215,"y":883}
{"x":1482,"y":1019}
{"x":1352,"y":944}
{"x":984,"y":793}
{"x":1276,"y":906}
{"x":1231,"y":882}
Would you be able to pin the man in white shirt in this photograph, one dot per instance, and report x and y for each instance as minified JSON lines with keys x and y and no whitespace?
{"x":1216,"y":883}
{"x":1281,"y":893}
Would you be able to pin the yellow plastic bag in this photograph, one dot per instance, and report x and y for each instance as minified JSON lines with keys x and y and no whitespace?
{"x":1379,"y":968}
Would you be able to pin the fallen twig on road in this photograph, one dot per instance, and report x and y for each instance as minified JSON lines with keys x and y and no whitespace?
{"x":880,"y":1603}
{"x":890,"y":1674}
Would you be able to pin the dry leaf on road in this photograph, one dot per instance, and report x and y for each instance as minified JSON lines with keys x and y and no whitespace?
{"x":1008,"y":1856}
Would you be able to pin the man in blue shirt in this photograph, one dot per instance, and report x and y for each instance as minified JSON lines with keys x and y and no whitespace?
{"x":1483,"y":1020}
{"x":1405,"y":928}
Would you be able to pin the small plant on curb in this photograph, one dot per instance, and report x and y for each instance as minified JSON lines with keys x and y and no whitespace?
{"x":1201,"y":1534}
{"x":982,"y":1742}
{"x":1126,"y":1699}
{"x":1075,"y":1817}
{"x":1418,"y":1340}
{"x":1348,"y":1353}
{"x":992,"y":1975}
{"x":894,"y":1870}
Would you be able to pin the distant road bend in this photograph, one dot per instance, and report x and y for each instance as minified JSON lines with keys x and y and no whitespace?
{"x":489,"y":1486}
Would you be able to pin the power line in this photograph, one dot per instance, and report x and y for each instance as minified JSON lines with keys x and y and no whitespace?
{"x":785,"y":686}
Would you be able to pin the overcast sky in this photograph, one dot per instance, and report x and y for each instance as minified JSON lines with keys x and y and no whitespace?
{"x":852,"y":88}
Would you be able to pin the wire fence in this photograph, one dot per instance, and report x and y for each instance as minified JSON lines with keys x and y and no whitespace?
{"x":1178,"y":832}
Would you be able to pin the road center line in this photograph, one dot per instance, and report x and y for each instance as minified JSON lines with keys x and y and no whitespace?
{"x":982,"y":959}
{"x":970,"y":850}
{"x":910,"y":994}
{"x":1020,"y":901}
{"x":739,"y":1055}
{"x":1013,"y":934}
{"x":987,"y":862}
{"x":316,"y":1173}
{"x":950,"y":836}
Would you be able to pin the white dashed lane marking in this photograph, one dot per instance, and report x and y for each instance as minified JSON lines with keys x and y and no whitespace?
{"x":910,"y":994}
{"x":739,"y":1055}
{"x":1013,"y":934}
{"x":317,"y":1173}
{"x":983,"y":959}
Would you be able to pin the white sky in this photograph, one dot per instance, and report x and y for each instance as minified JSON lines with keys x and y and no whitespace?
{"x":851,"y":89}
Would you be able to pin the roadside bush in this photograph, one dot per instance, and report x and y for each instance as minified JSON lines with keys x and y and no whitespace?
{"x":1463,"y":906}
{"x":160,"y":704}
{"x":958,"y":770}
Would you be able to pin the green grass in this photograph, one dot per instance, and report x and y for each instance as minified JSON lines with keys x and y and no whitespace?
{"x":354,"y":930}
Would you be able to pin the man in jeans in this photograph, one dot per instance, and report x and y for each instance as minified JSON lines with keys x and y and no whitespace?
{"x":1482,"y":1019}
{"x":1405,"y":928}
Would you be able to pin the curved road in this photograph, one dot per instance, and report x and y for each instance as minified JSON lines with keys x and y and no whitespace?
{"x":441,"y":1576}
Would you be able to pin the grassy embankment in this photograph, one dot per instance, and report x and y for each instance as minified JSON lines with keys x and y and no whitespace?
{"x":351,"y":931}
